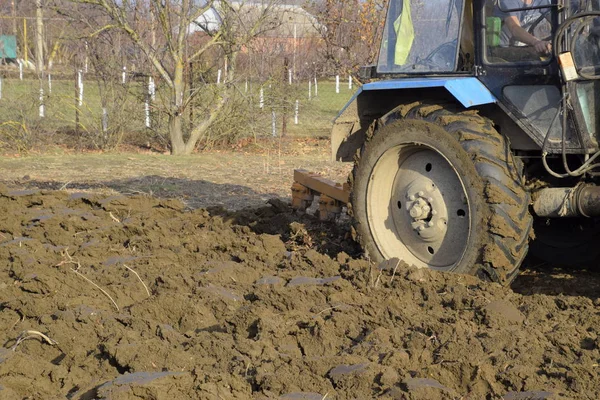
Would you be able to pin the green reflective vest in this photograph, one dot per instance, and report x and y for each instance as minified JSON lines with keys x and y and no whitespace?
{"x":405,"y":34}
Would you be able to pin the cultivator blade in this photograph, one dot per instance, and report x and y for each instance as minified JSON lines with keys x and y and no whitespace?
{"x":332,"y":196}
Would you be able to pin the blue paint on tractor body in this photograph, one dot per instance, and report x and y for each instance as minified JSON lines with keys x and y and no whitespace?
{"x":469,"y":91}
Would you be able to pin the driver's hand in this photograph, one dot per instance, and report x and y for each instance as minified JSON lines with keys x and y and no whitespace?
{"x":543,"y":47}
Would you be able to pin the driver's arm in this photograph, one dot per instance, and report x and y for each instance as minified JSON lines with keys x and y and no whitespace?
{"x":520,"y":34}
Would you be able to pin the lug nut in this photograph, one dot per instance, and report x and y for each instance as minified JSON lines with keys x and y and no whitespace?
{"x":434,"y":212}
{"x":430,"y":224}
{"x":421,"y":194}
{"x":430,"y":199}
{"x":412,"y":197}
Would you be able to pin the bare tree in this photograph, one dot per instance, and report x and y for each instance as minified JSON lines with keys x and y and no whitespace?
{"x":350,"y":30}
{"x":162,"y":29}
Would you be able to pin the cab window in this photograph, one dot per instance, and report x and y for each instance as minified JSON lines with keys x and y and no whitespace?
{"x":421,"y":36}
{"x":518,"y":31}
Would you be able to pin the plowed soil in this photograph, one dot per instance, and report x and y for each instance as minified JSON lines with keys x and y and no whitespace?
{"x":141,"y":298}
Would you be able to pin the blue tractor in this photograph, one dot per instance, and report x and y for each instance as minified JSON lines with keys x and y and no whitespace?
{"x":478,"y":126}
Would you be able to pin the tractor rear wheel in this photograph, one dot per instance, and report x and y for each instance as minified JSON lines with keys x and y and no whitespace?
{"x":440,"y":189}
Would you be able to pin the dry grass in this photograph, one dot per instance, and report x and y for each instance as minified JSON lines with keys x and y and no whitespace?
{"x":230,"y":178}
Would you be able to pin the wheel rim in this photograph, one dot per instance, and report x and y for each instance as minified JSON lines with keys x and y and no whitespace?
{"x":418,"y":208}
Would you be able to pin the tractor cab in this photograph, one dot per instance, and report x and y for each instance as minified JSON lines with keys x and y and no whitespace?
{"x":518,"y":65}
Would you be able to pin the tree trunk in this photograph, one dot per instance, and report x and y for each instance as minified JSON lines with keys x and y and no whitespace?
{"x":39,"y":39}
{"x":178,"y":146}
{"x":14,"y":18}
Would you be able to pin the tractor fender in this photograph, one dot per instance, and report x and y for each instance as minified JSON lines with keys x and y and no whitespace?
{"x":374,"y":100}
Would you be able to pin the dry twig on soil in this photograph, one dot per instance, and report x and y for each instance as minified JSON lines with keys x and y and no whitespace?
{"x":31,"y":334}
{"x":378,"y":279}
{"x":99,"y":288}
{"x":64,"y":187}
{"x":140,"y":279}
{"x":21,"y":318}
{"x":76,"y":270}
{"x":330,"y":309}
{"x":394,"y":273}
{"x":69,"y":259}
{"x":114,"y":218}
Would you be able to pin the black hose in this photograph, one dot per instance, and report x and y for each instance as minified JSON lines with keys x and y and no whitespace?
{"x":587,"y":166}
{"x":572,"y":46}
{"x":560,"y":31}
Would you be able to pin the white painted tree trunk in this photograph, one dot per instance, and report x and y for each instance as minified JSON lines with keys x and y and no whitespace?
{"x":296,"y":112}
{"x":42,"y":110}
{"x":151,"y":89}
{"x":261,"y":101}
{"x":80,"y":87}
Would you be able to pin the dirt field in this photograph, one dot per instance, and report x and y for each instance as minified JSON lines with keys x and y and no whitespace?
{"x":143,"y":297}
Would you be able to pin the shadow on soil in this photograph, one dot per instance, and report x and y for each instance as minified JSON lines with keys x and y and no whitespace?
{"x":194,"y":193}
{"x":545,"y":279}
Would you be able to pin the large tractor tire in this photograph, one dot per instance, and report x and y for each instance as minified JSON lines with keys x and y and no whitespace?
{"x":439,"y":188}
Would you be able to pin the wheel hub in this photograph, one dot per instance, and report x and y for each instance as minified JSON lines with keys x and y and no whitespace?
{"x":420,"y":209}
{"x":426,"y":211}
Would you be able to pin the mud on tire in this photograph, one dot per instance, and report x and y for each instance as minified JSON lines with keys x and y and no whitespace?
{"x":499,"y":220}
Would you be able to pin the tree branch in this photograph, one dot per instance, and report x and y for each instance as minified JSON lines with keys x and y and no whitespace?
{"x":201,"y":128}
{"x":213,"y":42}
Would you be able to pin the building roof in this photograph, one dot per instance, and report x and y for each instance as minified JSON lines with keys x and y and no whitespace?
{"x":284,"y":20}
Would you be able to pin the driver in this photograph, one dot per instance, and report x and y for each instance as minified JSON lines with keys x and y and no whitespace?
{"x":516,"y":26}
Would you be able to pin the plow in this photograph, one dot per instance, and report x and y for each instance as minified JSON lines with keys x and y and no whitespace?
{"x":332,"y":196}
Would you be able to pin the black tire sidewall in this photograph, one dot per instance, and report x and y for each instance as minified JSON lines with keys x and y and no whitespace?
{"x":407,"y":132}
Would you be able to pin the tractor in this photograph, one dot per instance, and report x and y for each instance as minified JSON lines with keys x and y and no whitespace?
{"x":477,"y":130}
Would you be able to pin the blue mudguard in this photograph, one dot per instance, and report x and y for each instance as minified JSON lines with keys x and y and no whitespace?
{"x":469,"y":91}
{"x":350,"y":125}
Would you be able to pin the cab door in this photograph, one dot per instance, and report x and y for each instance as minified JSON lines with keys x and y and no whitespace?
{"x":525,"y":82}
